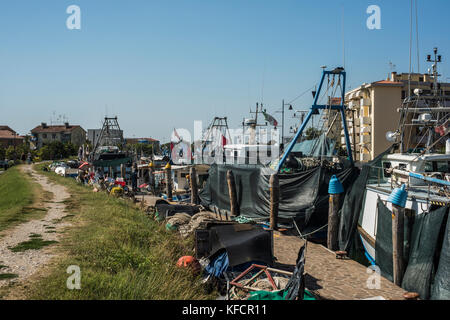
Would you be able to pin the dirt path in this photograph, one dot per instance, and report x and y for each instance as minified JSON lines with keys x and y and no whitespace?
{"x":26,"y":263}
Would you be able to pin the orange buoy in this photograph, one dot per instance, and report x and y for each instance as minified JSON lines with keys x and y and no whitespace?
{"x":189,"y":261}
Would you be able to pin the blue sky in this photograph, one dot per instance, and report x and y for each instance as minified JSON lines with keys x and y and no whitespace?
{"x":163,"y":64}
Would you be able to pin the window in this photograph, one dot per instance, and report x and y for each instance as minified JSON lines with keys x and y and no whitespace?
{"x":402,"y":166}
{"x":386,"y":165}
{"x":420,"y":79}
{"x":54,"y":136}
{"x":428,"y":166}
{"x":442,"y":166}
{"x":44,"y":135}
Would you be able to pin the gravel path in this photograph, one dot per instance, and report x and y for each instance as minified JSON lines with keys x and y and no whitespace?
{"x":27,"y":263}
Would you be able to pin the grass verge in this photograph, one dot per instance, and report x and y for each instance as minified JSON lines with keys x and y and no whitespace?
{"x":121,"y":253}
{"x":35,"y":243}
{"x":7,"y":276}
{"x":21,"y":198}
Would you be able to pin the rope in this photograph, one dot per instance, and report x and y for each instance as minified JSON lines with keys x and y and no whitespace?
{"x":303,"y":236}
{"x":302,"y":94}
{"x":242,"y":219}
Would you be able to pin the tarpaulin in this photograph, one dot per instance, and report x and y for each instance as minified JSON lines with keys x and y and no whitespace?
{"x":421,"y":265}
{"x":353,"y":205}
{"x":383,"y":242}
{"x":242,"y":242}
{"x":166,"y":210}
{"x":218,"y":266}
{"x":296,"y":284}
{"x":441,"y":286}
{"x":303,"y":195}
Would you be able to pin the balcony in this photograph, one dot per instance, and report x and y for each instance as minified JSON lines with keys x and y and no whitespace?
{"x":354,"y":104}
{"x":365,"y":102}
{"x":364,"y":121}
{"x":365,"y":139}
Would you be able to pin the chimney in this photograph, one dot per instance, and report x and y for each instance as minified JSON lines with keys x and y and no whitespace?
{"x":44,"y":124}
{"x":66,"y":124}
{"x":393,"y":74}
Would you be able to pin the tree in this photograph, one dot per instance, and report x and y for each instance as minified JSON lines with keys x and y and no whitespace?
{"x":57,"y":150}
{"x":9,"y":154}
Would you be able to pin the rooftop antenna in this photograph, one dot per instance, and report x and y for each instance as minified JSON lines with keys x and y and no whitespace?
{"x":343,"y":37}
{"x":262,"y":86}
{"x":410,"y":48}
{"x":437,"y":59}
{"x":417,"y":39}
{"x":392,"y":66}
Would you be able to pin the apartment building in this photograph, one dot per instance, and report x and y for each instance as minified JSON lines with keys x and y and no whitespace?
{"x":372,"y":111}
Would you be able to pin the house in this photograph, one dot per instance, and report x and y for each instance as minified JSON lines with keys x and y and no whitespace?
{"x":8,"y":137}
{"x":64,"y":133}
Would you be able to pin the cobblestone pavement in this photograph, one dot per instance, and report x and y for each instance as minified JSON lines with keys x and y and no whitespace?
{"x":330,"y":278}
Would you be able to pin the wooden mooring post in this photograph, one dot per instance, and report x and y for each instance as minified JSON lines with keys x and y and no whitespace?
{"x":168,"y":169}
{"x":398,"y":198}
{"x":232,"y":192}
{"x":152,"y":177}
{"x":122,"y":171}
{"x":194,"y":186}
{"x":333,"y":221}
{"x":274,"y":184}
{"x":335,"y":189}
{"x":398,"y":221}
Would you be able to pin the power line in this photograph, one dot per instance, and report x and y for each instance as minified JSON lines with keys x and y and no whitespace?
{"x":302,"y":94}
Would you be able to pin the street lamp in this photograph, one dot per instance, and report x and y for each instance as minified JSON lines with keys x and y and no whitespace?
{"x":282,"y":122}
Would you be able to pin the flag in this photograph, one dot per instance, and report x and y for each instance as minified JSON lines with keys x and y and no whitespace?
{"x":442,"y":129}
{"x":224,"y":141}
{"x":176,"y":135}
{"x":270,"y":119}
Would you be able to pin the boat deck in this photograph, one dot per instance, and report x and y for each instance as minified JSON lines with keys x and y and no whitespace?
{"x":330,"y":278}
{"x":417,"y":192}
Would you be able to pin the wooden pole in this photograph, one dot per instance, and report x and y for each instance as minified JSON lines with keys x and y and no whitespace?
{"x":398,"y":221}
{"x":194,"y":187}
{"x":232,"y":193}
{"x":333,"y":221}
{"x":274,"y":200}
{"x":122,"y":170}
{"x":152,"y":179}
{"x":169,"y":183}
{"x":111,"y":172}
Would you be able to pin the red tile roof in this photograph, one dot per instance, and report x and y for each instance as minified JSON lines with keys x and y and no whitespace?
{"x":7,"y":129}
{"x":54,"y":129}
{"x":6,"y":134}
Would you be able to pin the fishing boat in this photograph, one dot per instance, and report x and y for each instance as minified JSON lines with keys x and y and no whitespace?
{"x":107,"y":153}
{"x":418,"y":168}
